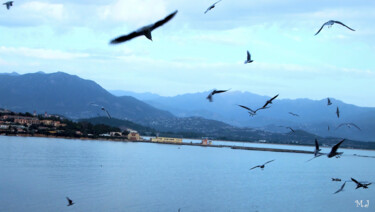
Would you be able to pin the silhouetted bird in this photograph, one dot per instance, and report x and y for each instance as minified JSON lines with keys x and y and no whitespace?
{"x":212,"y":6}
{"x":248,"y":59}
{"x":109,"y":116}
{"x":293,"y":114}
{"x":317,"y":149}
{"x":338,"y":112}
{"x":336,"y":179}
{"x":334,"y":149}
{"x":209,"y":97}
{"x":252,"y":112}
{"x":359,"y":185}
{"x":292,"y":131}
{"x":328,"y":128}
{"x":146,"y":30}
{"x":341,"y":189}
{"x":348,"y":125}
{"x":262,"y":166}
{"x":270,"y":100}
{"x":70,"y":202}
{"x":8,"y":4}
{"x":329,"y":101}
{"x":330,"y":23}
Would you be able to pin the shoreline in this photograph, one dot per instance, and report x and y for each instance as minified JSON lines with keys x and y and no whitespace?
{"x":113,"y":139}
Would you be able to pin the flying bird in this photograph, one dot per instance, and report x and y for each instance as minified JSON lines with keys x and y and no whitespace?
{"x":109,"y":116}
{"x":8,"y":4}
{"x":212,"y":6}
{"x":348,"y":125}
{"x":270,"y":101}
{"x":209,"y":97}
{"x":146,"y":30}
{"x":293,"y":114}
{"x":291,"y":129}
{"x":336,"y":179}
{"x":70,"y":202}
{"x":329,"y":101}
{"x":262,"y":166}
{"x":248,"y":59}
{"x":338,"y":112}
{"x":317,"y":149}
{"x":341,"y":189}
{"x":102,"y":108}
{"x":328,"y":128}
{"x":330,"y":23}
{"x":252,"y":112}
{"x":359,"y":185}
{"x":334,"y":149}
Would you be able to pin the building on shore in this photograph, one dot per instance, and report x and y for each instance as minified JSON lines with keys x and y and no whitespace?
{"x":134,"y":136}
{"x":166,"y":140}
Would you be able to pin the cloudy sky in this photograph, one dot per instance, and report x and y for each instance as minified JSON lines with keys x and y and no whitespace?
{"x":197,"y":52}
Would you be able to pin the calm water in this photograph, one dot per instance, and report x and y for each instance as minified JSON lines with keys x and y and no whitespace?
{"x":38,"y":173}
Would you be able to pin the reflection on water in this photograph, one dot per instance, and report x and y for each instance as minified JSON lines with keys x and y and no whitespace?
{"x":38,"y":173}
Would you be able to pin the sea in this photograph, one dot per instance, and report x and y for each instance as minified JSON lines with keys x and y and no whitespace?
{"x":37,"y":174}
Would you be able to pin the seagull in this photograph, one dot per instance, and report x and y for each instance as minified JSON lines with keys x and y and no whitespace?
{"x":329,"y":101}
{"x":146,"y":30}
{"x":109,"y":116}
{"x":8,"y":4}
{"x":270,"y":100}
{"x":348,"y":125}
{"x":248,"y":60}
{"x":334,"y":149}
{"x":338,"y":112}
{"x":328,"y":128}
{"x":336,"y":179}
{"x":317,"y":150}
{"x":364,"y":185}
{"x":262,"y":166}
{"x":252,"y":112}
{"x":341,"y":189}
{"x":292,"y":131}
{"x":293,"y":114}
{"x":330,"y":23}
{"x":209,"y":97}
{"x":102,"y":108}
{"x":70,"y":202}
{"x":212,"y":6}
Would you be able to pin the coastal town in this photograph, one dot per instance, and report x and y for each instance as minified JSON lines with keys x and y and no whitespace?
{"x":47,"y":125}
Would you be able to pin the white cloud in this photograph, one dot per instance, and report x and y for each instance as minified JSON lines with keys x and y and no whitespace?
{"x":47,"y":54}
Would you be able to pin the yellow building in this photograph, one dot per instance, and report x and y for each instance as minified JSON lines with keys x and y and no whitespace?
{"x":164,"y":139}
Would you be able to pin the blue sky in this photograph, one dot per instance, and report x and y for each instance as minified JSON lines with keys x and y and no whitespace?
{"x":196,"y":52}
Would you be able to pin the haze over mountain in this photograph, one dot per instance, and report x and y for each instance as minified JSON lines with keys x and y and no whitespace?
{"x":314,"y":115}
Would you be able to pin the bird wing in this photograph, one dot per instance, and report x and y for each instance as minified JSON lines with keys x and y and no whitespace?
{"x":265,"y":105}
{"x":248,"y":56}
{"x":355,"y":126}
{"x":254,"y":167}
{"x":340,"y":125}
{"x":247,"y":108}
{"x":273,"y":98}
{"x":262,"y":108}
{"x":336,"y":147}
{"x":320,"y":28}
{"x":290,"y":129}
{"x":109,"y":116}
{"x":209,"y":97}
{"x":316,"y":144}
{"x":355,"y":181}
{"x":342,"y":187}
{"x":125,"y":37}
{"x":219,"y":91}
{"x":216,"y":2}
{"x":338,"y":22}
{"x":69,"y":200}
{"x":268,"y":162}
{"x":165,"y":20}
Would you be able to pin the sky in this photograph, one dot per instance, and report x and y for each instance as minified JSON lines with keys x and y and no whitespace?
{"x":197,"y":52}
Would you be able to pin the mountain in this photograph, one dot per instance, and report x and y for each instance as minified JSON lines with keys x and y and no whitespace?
{"x":314,"y":116}
{"x":140,"y":96}
{"x":70,"y":96}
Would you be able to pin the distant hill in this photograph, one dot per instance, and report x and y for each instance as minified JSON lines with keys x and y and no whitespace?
{"x":70,"y":96}
{"x":314,"y":116}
